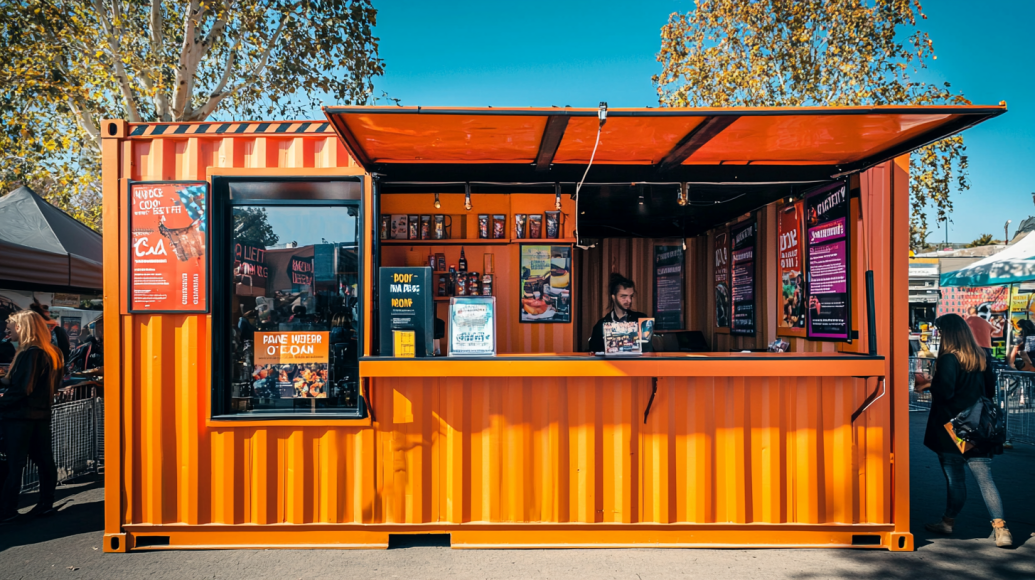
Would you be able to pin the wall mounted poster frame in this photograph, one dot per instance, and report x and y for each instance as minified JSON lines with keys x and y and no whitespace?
{"x":790,"y":283}
{"x":742,"y":282}
{"x":721,"y":248}
{"x":168,"y":247}
{"x":545,"y":283}
{"x":828,"y":248}
{"x":669,"y":286}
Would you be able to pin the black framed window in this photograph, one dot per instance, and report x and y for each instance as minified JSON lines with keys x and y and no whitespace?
{"x":287,"y":337}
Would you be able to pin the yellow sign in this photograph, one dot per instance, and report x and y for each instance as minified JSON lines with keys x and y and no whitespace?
{"x":405,"y":343}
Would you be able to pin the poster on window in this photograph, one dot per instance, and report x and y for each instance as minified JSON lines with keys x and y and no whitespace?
{"x":545,"y":280}
{"x":721,"y":245}
{"x":168,"y":254}
{"x":668,"y":287}
{"x":250,"y":270}
{"x":791,"y":314}
{"x":826,"y":276}
{"x":291,"y":365}
{"x":742,"y":267}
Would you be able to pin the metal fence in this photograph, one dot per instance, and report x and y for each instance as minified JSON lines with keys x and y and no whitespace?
{"x":1016,"y":389}
{"x":78,"y":430}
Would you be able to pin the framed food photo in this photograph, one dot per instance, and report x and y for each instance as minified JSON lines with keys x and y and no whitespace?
{"x":545,"y":283}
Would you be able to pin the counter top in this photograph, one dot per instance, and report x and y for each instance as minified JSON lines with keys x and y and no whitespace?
{"x":732,"y":364}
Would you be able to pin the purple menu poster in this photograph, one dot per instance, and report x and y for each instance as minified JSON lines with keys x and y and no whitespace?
{"x":826,"y":273}
{"x":742,"y":262}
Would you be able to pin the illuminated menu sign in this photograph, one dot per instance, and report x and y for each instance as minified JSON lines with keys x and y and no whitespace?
{"x":742,"y":262}
{"x":168,"y":254}
{"x":827,"y":237}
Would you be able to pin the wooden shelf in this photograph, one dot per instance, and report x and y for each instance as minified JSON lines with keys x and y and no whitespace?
{"x":449,"y":242}
{"x":542,"y":241}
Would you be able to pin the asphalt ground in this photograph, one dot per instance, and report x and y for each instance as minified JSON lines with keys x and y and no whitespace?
{"x":68,"y":545}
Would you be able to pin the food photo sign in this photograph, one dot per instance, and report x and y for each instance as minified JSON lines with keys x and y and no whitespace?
{"x":545,"y":284}
{"x":791,"y":316}
{"x":291,"y":365}
{"x":168,"y":251}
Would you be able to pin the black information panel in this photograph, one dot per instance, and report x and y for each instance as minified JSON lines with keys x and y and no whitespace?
{"x":742,"y":260}
{"x":826,"y":273}
{"x":407,"y":304}
{"x":668,"y":287}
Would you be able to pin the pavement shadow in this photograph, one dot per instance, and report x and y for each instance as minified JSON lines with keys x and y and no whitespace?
{"x":81,"y":514}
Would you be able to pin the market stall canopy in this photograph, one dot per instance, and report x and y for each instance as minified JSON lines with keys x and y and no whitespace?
{"x":734,"y":159}
{"x":1013,"y":265}
{"x":44,"y":246}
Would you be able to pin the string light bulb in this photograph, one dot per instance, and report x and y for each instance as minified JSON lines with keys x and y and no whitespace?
{"x":684,"y":194}
{"x":438,"y":203}
{"x":467,"y":196}
{"x":557,"y":195}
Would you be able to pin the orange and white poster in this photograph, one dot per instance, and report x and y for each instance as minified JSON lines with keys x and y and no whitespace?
{"x":296,"y":362}
{"x":168,"y":257}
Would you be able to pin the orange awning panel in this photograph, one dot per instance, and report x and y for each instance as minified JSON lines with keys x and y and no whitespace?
{"x":843,"y":139}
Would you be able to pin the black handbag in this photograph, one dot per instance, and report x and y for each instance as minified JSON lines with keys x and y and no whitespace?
{"x":981,"y":423}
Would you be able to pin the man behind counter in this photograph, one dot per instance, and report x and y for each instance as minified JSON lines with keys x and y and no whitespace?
{"x":622,"y":291}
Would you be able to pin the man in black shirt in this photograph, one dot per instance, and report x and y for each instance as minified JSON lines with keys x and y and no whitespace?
{"x":622,"y":291}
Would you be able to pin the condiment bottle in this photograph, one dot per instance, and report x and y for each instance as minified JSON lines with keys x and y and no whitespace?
{"x":463,"y":260}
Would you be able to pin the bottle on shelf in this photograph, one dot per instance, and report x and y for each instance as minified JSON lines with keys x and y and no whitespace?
{"x":463,"y":260}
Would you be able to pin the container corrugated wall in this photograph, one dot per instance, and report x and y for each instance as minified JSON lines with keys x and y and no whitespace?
{"x":722,"y":452}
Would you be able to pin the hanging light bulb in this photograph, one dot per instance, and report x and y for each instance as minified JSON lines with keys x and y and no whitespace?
{"x":684,"y":195}
{"x":467,"y":196}
{"x":684,"y":244}
{"x":438,"y":204}
{"x":557,"y":195}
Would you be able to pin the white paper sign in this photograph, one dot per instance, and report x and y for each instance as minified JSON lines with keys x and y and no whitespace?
{"x":472,"y":326}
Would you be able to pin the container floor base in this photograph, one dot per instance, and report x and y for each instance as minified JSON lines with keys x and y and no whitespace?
{"x":509,"y":536}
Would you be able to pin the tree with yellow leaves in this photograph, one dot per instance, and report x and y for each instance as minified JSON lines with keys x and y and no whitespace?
{"x":771,"y":53}
{"x":67,"y":64}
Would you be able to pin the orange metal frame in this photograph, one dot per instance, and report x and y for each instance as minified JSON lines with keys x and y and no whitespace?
{"x":757,"y":451}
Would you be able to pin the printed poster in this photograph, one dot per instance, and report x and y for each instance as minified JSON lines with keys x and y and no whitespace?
{"x":742,"y":265}
{"x":668,"y":287}
{"x":168,"y":257}
{"x":622,"y":338}
{"x":829,"y":300}
{"x":791,"y":316}
{"x":545,"y":283}
{"x":721,"y":244}
{"x":472,"y":326}
{"x":73,"y":326}
{"x":291,"y":365}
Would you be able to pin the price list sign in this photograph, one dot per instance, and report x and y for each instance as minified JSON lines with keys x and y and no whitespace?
{"x":742,"y":262}
{"x":827,"y":236}
{"x":168,"y":253}
{"x":668,"y":287}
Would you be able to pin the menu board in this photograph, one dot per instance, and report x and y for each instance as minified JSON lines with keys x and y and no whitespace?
{"x":829,"y":301}
{"x":168,"y":253}
{"x":291,"y":365}
{"x":742,"y":264}
{"x":472,"y":326}
{"x":721,"y":243}
{"x":407,"y":303}
{"x":791,"y":315}
{"x":545,"y":284}
{"x":668,"y":287}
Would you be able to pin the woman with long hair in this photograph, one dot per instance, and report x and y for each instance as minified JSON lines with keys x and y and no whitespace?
{"x":26,"y":399}
{"x":963,"y":375}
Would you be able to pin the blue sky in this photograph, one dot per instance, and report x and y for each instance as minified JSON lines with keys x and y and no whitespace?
{"x":580,"y":53}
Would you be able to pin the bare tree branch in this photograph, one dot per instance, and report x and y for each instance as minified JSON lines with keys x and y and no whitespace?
{"x":125,"y":85}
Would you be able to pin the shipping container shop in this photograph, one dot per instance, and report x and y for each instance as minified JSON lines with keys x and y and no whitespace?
{"x":527,"y":327}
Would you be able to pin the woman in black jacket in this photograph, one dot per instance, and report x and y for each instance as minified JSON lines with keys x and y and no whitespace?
{"x":26,"y":399}
{"x":963,"y":375}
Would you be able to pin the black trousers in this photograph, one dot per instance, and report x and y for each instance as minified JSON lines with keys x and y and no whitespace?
{"x":24,"y":440}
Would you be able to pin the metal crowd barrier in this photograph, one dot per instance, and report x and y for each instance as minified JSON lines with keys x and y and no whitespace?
{"x":1016,"y":389}
{"x":920,"y":369}
{"x":78,"y":440}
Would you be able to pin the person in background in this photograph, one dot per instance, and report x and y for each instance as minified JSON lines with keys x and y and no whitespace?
{"x":622,"y":292}
{"x":58,"y":335}
{"x":8,"y":346}
{"x":963,"y":375}
{"x":981,"y":328}
{"x":25,"y":410}
{"x":88,"y":357}
{"x":1021,"y":354}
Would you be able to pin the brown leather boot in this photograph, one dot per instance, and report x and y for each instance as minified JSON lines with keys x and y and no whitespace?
{"x":942,"y":527}
{"x":1003,"y":538}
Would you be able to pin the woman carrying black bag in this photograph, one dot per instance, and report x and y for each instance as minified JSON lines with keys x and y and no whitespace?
{"x":963,"y":375}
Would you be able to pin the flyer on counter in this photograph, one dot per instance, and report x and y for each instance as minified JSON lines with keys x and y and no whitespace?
{"x":168,"y":254}
{"x":622,"y":339}
{"x":827,"y":235}
{"x":291,"y":365}
{"x":472,"y":326}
